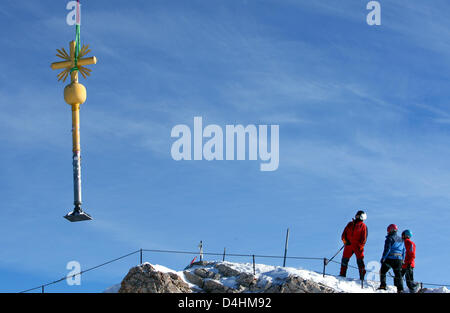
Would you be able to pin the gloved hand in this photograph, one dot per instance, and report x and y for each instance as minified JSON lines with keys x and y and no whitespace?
{"x":382,"y":261}
{"x":346,"y":242}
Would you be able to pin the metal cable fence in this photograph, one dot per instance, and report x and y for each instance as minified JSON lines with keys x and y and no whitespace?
{"x":324,"y":261}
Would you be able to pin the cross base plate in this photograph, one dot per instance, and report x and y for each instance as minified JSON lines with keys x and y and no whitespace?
{"x":77,"y":215}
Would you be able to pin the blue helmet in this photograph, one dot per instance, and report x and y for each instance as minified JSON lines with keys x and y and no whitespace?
{"x":407,"y":233}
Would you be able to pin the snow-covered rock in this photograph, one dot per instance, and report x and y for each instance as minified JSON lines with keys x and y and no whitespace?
{"x":146,"y":278}
{"x":225,"y":277}
{"x":228,"y":277}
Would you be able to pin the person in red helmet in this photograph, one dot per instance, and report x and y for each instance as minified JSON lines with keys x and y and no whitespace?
{"x":393,"y":256}
{"x":354,"y":238}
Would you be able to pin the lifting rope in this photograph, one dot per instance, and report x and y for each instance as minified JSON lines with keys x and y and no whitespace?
{"x":77,"y":37}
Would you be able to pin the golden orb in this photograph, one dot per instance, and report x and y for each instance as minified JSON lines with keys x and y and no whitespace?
{"x":75,"y":93}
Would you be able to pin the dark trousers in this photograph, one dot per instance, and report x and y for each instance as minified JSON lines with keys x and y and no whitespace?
{"x":396,"y":266}
{"x":409,"y":275}
{"x":361,"y":267}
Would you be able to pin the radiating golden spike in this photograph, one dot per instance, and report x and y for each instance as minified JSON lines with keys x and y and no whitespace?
{"x":84,"y":76}
{"x":64,"y":75}
{"x":86,"y":52}
{"x":61,"y":74}
{"x":83,"y":49}
{"x":63,"y":52}
{"x":86,"y":68}
{"x":62,"y":57}
{"x":67,"y":58}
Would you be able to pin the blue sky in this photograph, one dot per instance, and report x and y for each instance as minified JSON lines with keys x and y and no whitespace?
{"x":363,"y":115}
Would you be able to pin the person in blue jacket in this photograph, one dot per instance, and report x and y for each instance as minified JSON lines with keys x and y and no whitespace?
{"x":393,"y":256}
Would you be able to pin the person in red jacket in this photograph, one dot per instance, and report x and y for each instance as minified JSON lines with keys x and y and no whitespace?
{"x":410,"y":261}
{"x":354,"y":238}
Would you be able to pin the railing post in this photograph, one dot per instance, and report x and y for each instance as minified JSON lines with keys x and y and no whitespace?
{"x":254,"y":268}
{"x":42,"y":289}
{"x":286,"y":247}
{"x":200,"y":246}
{"x":324,"y":265}
{"x":223,"y":259}
{"x":140,"y":256}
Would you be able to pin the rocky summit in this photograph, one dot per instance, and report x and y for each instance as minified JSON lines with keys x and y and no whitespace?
{"x":213,"y":277}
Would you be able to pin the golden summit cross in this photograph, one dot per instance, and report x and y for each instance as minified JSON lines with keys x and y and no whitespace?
{"x":70,"y":66}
